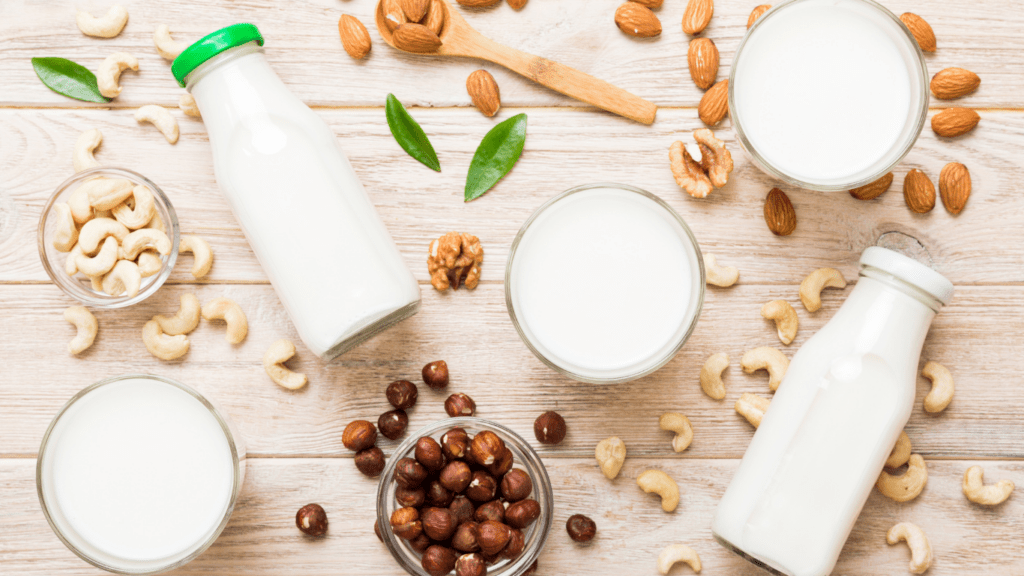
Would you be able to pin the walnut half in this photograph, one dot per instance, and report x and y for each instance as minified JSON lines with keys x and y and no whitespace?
{"x":455,"y":260}
{"x":700,"y":178}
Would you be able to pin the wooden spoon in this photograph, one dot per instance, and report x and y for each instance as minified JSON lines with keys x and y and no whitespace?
{"x":460,"y":39}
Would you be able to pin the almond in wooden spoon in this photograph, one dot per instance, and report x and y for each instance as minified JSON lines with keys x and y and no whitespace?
{"x":435,"y":17}
{"x":637,"y":20}
{"x":779,"y":213}
{"x":484,"y":91}
{"x":415,"y":38}
{"x":702,"y":58}
{"x":954,"y":186}
{"x":953,"y":83}
{"x":919,"y":192}
{"x":697,"y":15}
{"x":415,"y":10}
{"x":394,"y":15}
{"x":354,"y":36}
{"x":756,"y":13}
{"x":478,"y":3}
{"x":874,"y":189}
{"x":921,"y":30}
{"x":953,"y":122}
{"x":714,"y":105}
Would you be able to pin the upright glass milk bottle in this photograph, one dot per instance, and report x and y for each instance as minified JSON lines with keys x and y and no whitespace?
{"x":313,"y":228}
{"x":821,"y":445}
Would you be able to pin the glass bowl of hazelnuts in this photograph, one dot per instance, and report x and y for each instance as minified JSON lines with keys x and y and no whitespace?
{"x":465,"y":495}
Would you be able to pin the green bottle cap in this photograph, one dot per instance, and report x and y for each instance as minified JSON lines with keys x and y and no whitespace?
{"x":211,"y":45}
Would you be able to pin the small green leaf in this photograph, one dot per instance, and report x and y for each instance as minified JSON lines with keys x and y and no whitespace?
{"x":69,"y":79}
{"x":409,"y":134}
{"x":497,"y":154}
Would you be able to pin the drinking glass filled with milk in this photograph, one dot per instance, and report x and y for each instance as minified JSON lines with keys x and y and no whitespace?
{"x":828,"y":94}
{"x":604,"y":283}
{"x":308,"y":219}
{"x":834,"y":420}
{"x":139,"y":474}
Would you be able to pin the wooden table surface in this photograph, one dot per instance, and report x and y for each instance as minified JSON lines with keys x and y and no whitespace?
{"x":294,"y":438}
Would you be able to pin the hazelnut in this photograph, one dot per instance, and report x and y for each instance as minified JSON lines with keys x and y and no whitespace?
{"x":312,"y":520}
{"x":521,"y":514}
{"x":482,"y":487}
{"x":462,"y":508}
{"x":405,"y":523}
{"x":438,"y":495}
{"x":420,"y":543}
{"x":532,"y":569}
{"x":455,"y":443}
{"x":459,"y":404}
{"x":502,"y":464}
{"x":435,"y":374}
{"x":516,"y":485}
{"x":492,"y":537}
{"x":370,"y":461}
{"x":580,"y":528}
{"x":456,"y":476}
{"x":470,"y":565}
{"x":465,"y":537}
{"x":402,"y":394}
{"x":393,"y":424}
{"x":376,"y":531}
{"x":549,"y":428}
{"x":359,"y":435}
{"x":438,"y":523}
{"x":414,"y":497}
{"x":493,"y":510}
{"x":428,"y":452}
{"x":410,"y":473}
{"x":486,"y":447}
{"x":515,"y":545}
{"x":439,"y":560}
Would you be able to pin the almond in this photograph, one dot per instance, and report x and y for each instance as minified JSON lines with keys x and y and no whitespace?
{"x":954,"y":186}
{"x":697,"y":15}
{"x":416,"y":38}
{"x":650,"y":3}
{"x":394,"y":16}
{"x":415,"y":10}
{"x":919,"y":192}
{"x":518,"y":4}
{"x":354,"y":36}
{"x":702,"y":57}
{"x":484,"y":91}
{"x":756,"y":13}
{"x":954,"y":83}
{"x":435,"y":17}
{"x":779,"y":213}
{"x":921,"y":30}
{"x":637,"y":20}
{"x":478,"y":3}
{"x":953,"y":122}
{"x":714,"y":105}
{"x":874,"y":189}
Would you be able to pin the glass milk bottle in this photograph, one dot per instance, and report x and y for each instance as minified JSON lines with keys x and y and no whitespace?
{"x":303,"y":210}
{"x":821,"y":445}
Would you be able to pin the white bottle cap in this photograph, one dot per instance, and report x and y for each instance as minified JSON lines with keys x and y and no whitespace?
{"x":910,"y":271}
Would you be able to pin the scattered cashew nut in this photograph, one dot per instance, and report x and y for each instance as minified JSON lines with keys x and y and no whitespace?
{"x":721,"y":276}
{"x":900,"y":452}
{"x":142,"y":239}
{"x":124,"y":277}
{"x":679,"y":424}
{"x":150,"y":263}
{"x":188,"y":105}
{"x":273,"y":362}
{"x":87,"y":328}
{"x":920,"y":549}
{"x":106,"y":26}
{"x":87,"y":142}
{"x":786,"y":321}
{"x":98,"y":229}
{"x":661,"y":484}
{"x":942,"y":387}
{"x":977,"y":492}
{"x":184,"y":320}
{"x":109,"y":73}
{"x":65,"y":232}
{"x":610,"y":454}
{"x":811,"y":287}
{"x":677,"y":553}
{"x":765,"y":358}
{"x":99,"y":264}
{"x":161,"y":345}
{"x":200,"y":249}
{"x":711,"y":375}
{"x":159,"y":116}
{"x":106,"y":193}
{"x":165,"y":45}
{"x":226,"y":309}
{"x":906,"y":487}
{"x":141,"y":214}
{"x":752,"y":407}
{"x":78,"y":201}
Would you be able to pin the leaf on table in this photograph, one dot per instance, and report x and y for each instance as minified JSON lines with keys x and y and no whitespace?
{"x":68,"y":79}
{"x":497,"y":154}
{"x":409,"y":135}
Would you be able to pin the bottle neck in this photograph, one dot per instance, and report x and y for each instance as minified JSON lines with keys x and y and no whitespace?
{"x":901,"y":286}
{"x":219,"y":60}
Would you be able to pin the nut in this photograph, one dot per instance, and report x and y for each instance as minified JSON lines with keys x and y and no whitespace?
{"x":438,"y":523}
{"x":161,"y":345}
{"x":920,"y":549}
{"x":711,"y":375}
{"x":456,"y":476}
{"x":420,"y":543}
{"x":874,"y":189}
{"x":549,"y":428}
{"x":227,"y":310}
{"x":106,"y":193}
{"x":139,"y":240}
{"x":811,"y":287}
{"x":492,"y":537}
{"x":756,"y":13}
{"x":677,"y":553}
{"x":71,"y":263}
{"x":370,"y":461}
{"x":415,"y":10}
{"x":941,"y":393}
{"x":697,"y":15}
{"x":752,"y":407}
{"x":580,"y":528}
{"x":661,"y":484}
{"x":953,"y":122}
{"x":159,"y":116}
{"x":637,"y":20}
{"x":273,"y":363}
{"x":486,"y":447}
{"x":312,"y":520}
{"x":786,"y":320}
{"x":354,"y":36}
{"x":502,"y":464}
{"x":415,"y":38}
{"x":435,"y":374}
{"x":921,"y":30}
{"x":976,"y":491}
{"x":482,"y":487}
{"x":123,"y":278}
{"x":679,"y":424}
{"x":493,"y":510}
{"x":779,"y":213}
{"x":687,"y":172}
{"x":919,"y":192}
{"x":187,"y":104}
{"x":405,"y":523}
{"x":516,"y":485}
{"x":610,"y":454}
{"x":470,"y":565}
{"x":165,"y":45}
{"x":463,"y":509}
{"x":65,"y":234}
{"x":721,"y":276}
{"x":454,"y":260}
{"x":86,"y":144}
{"x":900,"y":452}
{"x":200,"y":249}
{"x":184,"y":320}
{"x":455,"y":443}
{"x":954,"y":186}
{"x":702,"y":58}
{"x":402,"y":394}
{"x":106,"y":26}
{"x":515,"y":545}
{"x":519,"y":4}
{"x":907,"y":486}
{"x":99,"y":264}
{"x":436,"y":17}
{"x":410,"y":473}
{"x":484,"y":91}
{"x":410,"y":497}
{"x":465,"y":537}
{"x":150,"y":263}
{"x":393,"y":424}
{"x":78,"y":202}
{"x":428,"y":453}
{"x":87,"y":327}
{"x":437,"y":495}
{"x":715,"y":159}
{"x":714,"y":104}
{"x":359,"y":435}
{"x":394,"y":16}
{"x":96,"y":230}
{"x":953,"y":83}
{"x":459,"y":404}
{"x":141,"y":211}
{"x":478,"y":3}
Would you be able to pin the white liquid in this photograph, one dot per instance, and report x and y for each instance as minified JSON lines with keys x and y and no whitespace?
{"x":137,"y":471}
{"x":306,"y":215}
{"x":823,"y":90}
{"x":603,"y":283}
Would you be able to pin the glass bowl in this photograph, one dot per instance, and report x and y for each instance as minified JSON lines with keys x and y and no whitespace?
{"x":525,"y":458}
{"x":79,"y":286}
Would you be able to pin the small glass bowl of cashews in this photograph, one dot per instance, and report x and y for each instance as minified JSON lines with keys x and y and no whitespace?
{"x":108,"y":237}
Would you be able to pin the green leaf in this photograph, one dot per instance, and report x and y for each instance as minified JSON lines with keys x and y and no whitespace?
{"x":409,"y":134}
{"x":497,"y":154}
{"x":69,"y":79}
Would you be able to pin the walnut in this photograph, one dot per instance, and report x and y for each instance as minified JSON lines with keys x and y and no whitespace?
{"x":454,"y":260}
{"x":700,"y":178}
{"x":688,"y":172}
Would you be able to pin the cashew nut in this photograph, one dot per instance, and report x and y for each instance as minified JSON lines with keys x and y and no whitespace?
{"x":200,"y":250}
{"x":786,"y":321}
{"x":765,"y":358}
{"x":273,"y":362}
{"x":811,"y":287}
{"x":906,"y":487}
{"x":157,"y":223}
{"x":677,"y":553}
{"x":106,"y":26}
{"x":942,"y":387}
{"x":159,"y":116}
{"x":96,"y":230}
{"x":141,"y":239}
{"x":65,"y":232}
{"x":87,"y":328}
{"x":124,"y":277}
{"x":165,"y":45}
{"x":752,"y":407}
{"x":900,"y":452}
{"x":187,"y":104}
{"x":920,"y":549}
{"x":87,"y":142}
{"x":184,"y":321}
{"x":610,"y":454}
{"x":150,"y":263}
{"x":78,"y":201}
{"x":661,"y":484}
{"x":225,"y":309}
{"x":97,"y":283}
{"x":976,"y":491}
{"x":71,"y":264}
{"x":711,"y":375}
{"x":161,"y":345}
{"x":721,"y":276}
{"x":109,"y":73}
{"x":101,"y":263}
{"x":139,"y":215}
{"x":679,"y":424}
{"x":105,"y":193}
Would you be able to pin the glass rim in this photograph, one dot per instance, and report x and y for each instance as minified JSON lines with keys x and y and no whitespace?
{"x":237,"y":457}
{"x":916,"y":119}
{"x":684,"y":337}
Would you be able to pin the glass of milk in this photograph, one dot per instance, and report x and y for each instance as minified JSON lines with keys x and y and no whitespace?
{"x":605,"y":283}
{"x":139,"y":474}
{"x":831,"y":425}
{"x":828,"y":94}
